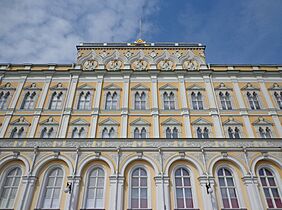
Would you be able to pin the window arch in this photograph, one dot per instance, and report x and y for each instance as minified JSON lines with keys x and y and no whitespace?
{"x":84,"y":100}
{"x":139,"y":189}
{"x":197,"y":100}
{"x":227,"y":189}
{"x":10,"y":187}
{"x":108,"y":133}
{"x":265,"y":133}
{"x":270,"y":188}
{"x":29,"y":100}
{"x":56,"y":101}
{"x":52,"y":188}
{"x":95,"y":189}
{"x":183,"y":189}
{"x":202,"y":132}
{"x":17,"y":132}
{"x":47,"y":132}
{"x":140,"y":101}
{"x":78,"y":132}
{"x":225,"y":100}
{"x":278,"y":97}
{"x":253,"y":100}
{"x":233,"y":133}
{"x":169,"y":101}
{"x":3,"y":99}
{"x":139,"y":133}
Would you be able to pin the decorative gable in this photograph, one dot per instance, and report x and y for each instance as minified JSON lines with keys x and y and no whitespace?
{"x":85,"y":87}
{"x":232,"y":122}
{"x":21,"y":121}
{"x":7,"y":86}
{"x":32,"y":87}
{"x":195,"y":87}
{"x":140,"y":87}
{"x":50,"y":121}
{"x":222,"y":86}
{"x":168,"y":87}
{"x":250,"y":87}
{"x":79,"y":122}
{"x":202,"y":122}
{"x":59,"y":86}
{"x":112,"y":87}
{"x":109,"y":122}
{"x":140,"y":122}
{"x":171,"y":121}
{"x":262,"y":122}
{"x":275,"y":87}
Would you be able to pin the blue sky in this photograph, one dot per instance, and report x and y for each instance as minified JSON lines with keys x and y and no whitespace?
{"x":234,"y":31}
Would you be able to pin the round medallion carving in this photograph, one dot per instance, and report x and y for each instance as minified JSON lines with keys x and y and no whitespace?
{"x":166,"y":65}
{"x":140,"y":65}
{"x":114,"y":65}
{"x":90,"y":65}
{"x":191,"y":65}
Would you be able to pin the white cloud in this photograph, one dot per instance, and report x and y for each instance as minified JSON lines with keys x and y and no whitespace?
{"x":38,"y":31}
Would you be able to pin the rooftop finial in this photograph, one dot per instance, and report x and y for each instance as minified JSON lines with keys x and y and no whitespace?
{"x":139,"y":38}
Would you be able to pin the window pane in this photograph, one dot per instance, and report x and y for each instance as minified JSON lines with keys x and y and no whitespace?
{"x":189,"y":203}
{"x":263,"y":181}
{"x":134,"y":193}
{"x":188,"y":193}
{"x":278,"y":202}
{"x":143,"y":182}
{"x":230,"y":181}
{"x":271,"y":181}
{"x":266,"y":192}
{"x":99,"y":193}
{"x":134,"y":203}
{"x":143,"y":203}
{"x":143,"y":193}
{"x":90,"y":193}
{"x":187,"y":182}
{"x":179,"y":193}
{"x":225,"y":203}
{"x":221,"y":181}
{"x":234,"y":203}
{"x":275,"y":192}
{"x":135,"y":182}
{"x":178,"y":182}
{"x":224,"y":193}
{"x":269,"y":203}
{"x":180,"y":203}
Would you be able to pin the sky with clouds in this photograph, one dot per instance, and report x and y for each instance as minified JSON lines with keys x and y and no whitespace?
{"x":234,"y":31}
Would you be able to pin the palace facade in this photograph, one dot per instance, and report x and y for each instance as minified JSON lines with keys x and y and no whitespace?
{"x":140,"y":126}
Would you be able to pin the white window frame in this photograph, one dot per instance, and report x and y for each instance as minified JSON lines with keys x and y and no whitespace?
{"x":80,"y":101}
{"x":79,"y":129}
{"x":149,"y":189}
{"x":44,"y":183}
{"x":168,"y":89}
{"x":109,"y":128}
{"x":258,"y":99}
{"x":4,"y":99}
{"x":29,"y":96}
{"x":230,"y":98}
{"x":140,"y":88}
{"x":86,"y":180}
{"x":226,"y":127}
{"x":134,"y":100}
{"x":276,"y":179}
{"x":140,"y":129}
{"x":19,"y":127}
{"x":48,"y":127}
{"x":236,"y":185}
{"x":191,"y":101}
{"x":193,"y":187}
{"x":7,"y":88}
{"x":56,"y":108}
{"x":3,"y":177}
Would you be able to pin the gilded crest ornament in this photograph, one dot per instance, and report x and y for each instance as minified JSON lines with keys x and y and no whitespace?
{"x":90,"y":65}
{"x":114,"y":65}
{"x":191,"y":65}
{"x":166,"y":64}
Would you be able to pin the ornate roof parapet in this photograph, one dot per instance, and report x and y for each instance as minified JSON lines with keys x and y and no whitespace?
{"x":141,"y":56}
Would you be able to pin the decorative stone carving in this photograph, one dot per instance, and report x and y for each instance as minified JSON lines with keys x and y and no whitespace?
{"x":153,"y":54}
{"x":128,"y":54}
{"x":114,"y":65}
{"x":191,"y":65}
{"x":140,"y":65}
{"x":90,"y":65}
{"x":104,"y":54}
{"x":166,"y":65}
{"x":178,"y":54}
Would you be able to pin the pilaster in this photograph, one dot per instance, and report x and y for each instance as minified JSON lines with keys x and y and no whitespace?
{"x":155,"y":107}
{"x":209,"y":198}
{"x":73,"y":197}
{"x":29,"y":183}
{"x":116,"y":192}
{"x":124,"y":111}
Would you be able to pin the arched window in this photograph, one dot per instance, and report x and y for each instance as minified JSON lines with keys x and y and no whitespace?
{"x":206,"y":132}
{"x":225,"y":101}
{"x":108,"y":101}
{"x":56,"y":101}
{"x":47,"y":132}
{"x":197,"y":100}
{"x":237,"y":133}
{"x":111,"y":101}
{"x":52,"y":189}
{"x":278,"y":97}
{"x":270,"y":188}
{"x":9,"y":188}
{"x":139,"y":189}
{"x":29,"y":100}
{"x":78,"y":132}
{"x":227,"y":189}
{"x":168,"y":133}
{"x":143,"y":101}
{"x":112,"y":133}
{"x":175,"y":132}
{"x":233,"y":133}
{"x":199,"y":133}
{"x":171,"y":101}
{"x":114,"y":101}
{"x":253,"y":100}
{"x":184,"y":198}
{"x":84,"y":101}
{"x":265,"y":133}
{"x":3,"y":99}
{"x":105,"y":133}
{"x":166,"y":101}
{"x":136,"y":133}
{"x":143,"y":133}
{"x":137,"y":101}
{"x":95,"y":189}
{"x":17,"y":132}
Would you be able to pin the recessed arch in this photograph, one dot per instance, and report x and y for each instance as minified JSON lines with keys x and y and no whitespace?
{"x":10,"y":158}
{"x":268,"y":158}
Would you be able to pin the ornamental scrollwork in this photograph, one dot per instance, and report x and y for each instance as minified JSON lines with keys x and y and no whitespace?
{"x":140,"y":65}
{"x":191,"y":65}
{"x":114,"y":65}
{"x":166,"y":65}
{"x":90,"y":65}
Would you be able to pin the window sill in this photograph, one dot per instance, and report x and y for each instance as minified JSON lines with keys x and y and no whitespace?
{"x":46,"y":209}
{"x":234,"y":209}
{"x":139,"y":209}
{"x":187,"y":209}
{"x":274,"y":209}
{"x":92,"y":209}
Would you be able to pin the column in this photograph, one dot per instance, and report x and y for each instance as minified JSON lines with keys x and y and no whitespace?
{"x":124,"y":109}
{"x":213,"y":108}
{"x":210,"y":202}
{"x":39,"y":108}
{"x":29,"y":183}
{"x":155,"y":107}
{"x":243,"y":109}
{"x":68,"y":107}
{"x":166,"y":192}
{"x":185,"y":112}
{"x":271,"y":107}
{"x":12,"y":107}
{"x":97,"y":101}
{"x":159,"y":194}
{"x":251,"y":184}
{"x":72,"y":199}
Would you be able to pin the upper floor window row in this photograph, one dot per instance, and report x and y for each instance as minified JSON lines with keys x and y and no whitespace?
{"x":253,"y":100}
{"x":4,"y":95}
